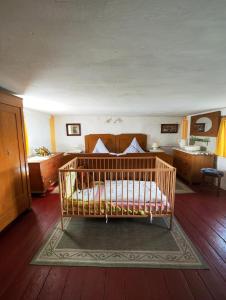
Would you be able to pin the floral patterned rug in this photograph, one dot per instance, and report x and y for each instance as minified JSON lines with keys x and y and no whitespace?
{"x":119,"y":243}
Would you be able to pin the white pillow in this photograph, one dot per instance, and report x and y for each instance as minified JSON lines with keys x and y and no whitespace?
{"x":134,"y":147}
{"x":100,"y":147}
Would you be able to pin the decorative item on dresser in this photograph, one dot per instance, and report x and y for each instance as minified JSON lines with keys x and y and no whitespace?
{"x":43,"y":171}
{"x":188,"y":165}
{"x":14,"y":191}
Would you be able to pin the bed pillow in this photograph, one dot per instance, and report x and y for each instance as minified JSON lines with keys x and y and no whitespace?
{"x":134,"y":147}
{"x":100,"y":147}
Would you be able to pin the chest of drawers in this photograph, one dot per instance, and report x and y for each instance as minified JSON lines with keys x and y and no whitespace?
{"x":188,"y":165}
{"x":44,"y":172}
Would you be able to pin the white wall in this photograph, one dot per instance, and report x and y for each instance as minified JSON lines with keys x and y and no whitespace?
{"x":96,"y":124}
{"x":38,"y":128}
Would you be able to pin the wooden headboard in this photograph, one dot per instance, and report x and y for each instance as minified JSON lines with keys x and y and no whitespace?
{"x":115,"y":143}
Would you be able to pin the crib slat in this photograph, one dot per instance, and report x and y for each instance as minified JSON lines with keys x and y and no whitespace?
{"x":145,"y":174}
{"x":139,"y":194}
{"x":122,"y":192}
{"x":99,"y":193}
{"x":110,"y":191}
{"x":94,"y":208}
{"x":150,"y":201}
{"x":77,"y":194}
{"x":127,"y":193}
{"x":72,"y":200}
{"x":156,"y":189}
{"x":161,"y":187}
{"x":116,"y":188}
{"x":83,"y":211}
{"x":105,"y":194}
{"x":88,"y":189}
{"x":133,"y":190}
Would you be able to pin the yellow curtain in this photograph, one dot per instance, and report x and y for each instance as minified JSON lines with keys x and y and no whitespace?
{"x":52,"y":133}
{"x":184,"y":128}
{"x":221,"y":139}
{"x":26,"y":139}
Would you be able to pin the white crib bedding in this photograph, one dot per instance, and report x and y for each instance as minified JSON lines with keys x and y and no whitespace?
{"x":137,"y":192}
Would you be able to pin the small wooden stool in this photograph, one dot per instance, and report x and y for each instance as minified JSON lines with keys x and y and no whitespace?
{"x":213,"y":173}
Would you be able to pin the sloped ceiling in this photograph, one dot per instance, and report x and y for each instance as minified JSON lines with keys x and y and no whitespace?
{"x":129,"y":57}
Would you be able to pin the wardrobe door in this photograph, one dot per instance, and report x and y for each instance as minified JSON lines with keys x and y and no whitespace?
{"x":14,"y":194}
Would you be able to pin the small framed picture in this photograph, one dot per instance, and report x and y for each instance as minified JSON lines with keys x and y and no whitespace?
{"x":73,"y":129}
{"x":200,"y":127}
{"x":169,"y":128}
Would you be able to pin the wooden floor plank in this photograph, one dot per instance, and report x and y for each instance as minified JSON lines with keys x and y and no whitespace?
{"x":177,"y":285}
{"x":54,"y":284}
{"x":208,"y":252}
{"x":157,"y":288}
{"x":94,"y":284}
{"x":74,"y":283}
{"x":136,"y":285}
{"x":209,"y":217}
{"x":36,"y":282}
{"x":211,"y":236}
{"x":115,"y":284}
{"x":214,"y":284}
{"x":196,"y":285}
{"x":29,"y":237}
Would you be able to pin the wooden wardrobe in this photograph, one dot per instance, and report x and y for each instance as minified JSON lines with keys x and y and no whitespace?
{"x":14,"y":187}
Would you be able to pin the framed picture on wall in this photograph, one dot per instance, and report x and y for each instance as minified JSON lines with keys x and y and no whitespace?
{"x":169,"y":128}
{"x":73,"y":129}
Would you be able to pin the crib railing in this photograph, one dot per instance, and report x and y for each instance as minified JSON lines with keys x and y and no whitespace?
{"x":117,"y":187}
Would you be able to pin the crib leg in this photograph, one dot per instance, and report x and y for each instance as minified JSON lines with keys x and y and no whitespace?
{"x":171,"y":222}
{"x":62,"y":223}
{"x":150,"y":218}
{"x":106,"y":219}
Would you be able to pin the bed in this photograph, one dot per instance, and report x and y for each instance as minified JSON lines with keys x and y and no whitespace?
{"x":111,"y":187}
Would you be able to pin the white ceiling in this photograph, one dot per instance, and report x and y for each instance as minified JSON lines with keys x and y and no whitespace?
{"x":129,"y":57}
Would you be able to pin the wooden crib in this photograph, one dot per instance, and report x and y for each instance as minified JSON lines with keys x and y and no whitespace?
{"x":121,"y":187}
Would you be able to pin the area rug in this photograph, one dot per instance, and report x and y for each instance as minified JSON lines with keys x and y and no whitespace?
{"x":119,"y":243}
{"x":181,"y":188}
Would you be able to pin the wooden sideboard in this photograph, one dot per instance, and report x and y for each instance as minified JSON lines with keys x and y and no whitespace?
{"x":14,"y":186}
{"x":43,"y":172}
{"x":188,"y":165}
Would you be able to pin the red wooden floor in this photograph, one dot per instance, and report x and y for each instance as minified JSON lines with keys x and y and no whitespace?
{"x":202,"y":215}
